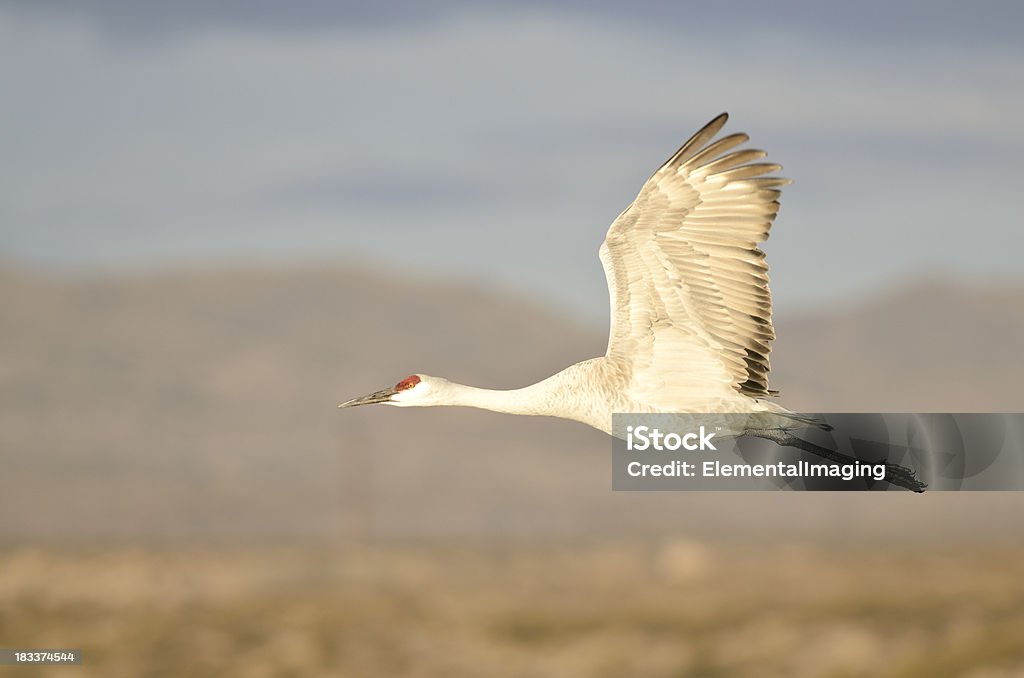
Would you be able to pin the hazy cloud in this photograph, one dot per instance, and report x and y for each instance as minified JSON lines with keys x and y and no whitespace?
{"x":500,"y":141}
{"x":863,"y":22}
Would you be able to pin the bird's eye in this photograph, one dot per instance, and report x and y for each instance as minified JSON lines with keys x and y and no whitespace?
{"x":407,"y":383}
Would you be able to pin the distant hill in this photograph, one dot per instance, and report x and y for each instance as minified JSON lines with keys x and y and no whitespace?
{"x":928,"y":346}
{"x":202,"y":404}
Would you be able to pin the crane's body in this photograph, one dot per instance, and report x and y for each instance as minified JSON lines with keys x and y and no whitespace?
{"x":589,"y":392}
{"x":691,"y":324}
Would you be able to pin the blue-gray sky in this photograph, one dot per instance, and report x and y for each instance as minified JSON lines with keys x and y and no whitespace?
{"x":497,"y":140}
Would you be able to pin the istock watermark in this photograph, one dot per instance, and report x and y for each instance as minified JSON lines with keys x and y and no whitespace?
{"x":644,"y":438}
{"x":818,"y":452}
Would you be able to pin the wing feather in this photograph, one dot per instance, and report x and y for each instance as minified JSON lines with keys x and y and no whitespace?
{"x":691,"y":309}
{"x":717,"y":148}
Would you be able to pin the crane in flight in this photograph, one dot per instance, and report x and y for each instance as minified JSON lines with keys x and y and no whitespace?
{"x":691,"y":325}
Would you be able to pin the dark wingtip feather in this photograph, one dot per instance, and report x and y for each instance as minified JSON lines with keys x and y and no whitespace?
{"x":697,"y":141}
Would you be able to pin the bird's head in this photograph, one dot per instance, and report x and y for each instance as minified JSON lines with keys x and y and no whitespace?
{"x":417,"y":390}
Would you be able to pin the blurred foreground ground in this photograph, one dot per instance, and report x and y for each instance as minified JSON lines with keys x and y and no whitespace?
{"x":666,"y":607}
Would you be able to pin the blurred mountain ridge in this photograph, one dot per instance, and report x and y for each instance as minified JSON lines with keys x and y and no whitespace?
{"x":201,"y":403}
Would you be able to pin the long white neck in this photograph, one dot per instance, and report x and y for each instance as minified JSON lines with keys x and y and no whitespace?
{"x":536,"y":399}
{"x":567,"y":394}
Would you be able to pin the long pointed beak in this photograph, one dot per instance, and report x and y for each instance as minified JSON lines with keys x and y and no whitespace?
{"x":377,"y":397}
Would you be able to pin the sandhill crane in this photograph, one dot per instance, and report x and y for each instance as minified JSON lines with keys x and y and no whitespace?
{"x":691,"y":324}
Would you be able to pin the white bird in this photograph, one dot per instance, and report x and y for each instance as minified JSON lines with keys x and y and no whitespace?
{"x":691,"y":325}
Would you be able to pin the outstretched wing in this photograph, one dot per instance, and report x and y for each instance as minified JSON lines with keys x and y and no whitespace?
{"x":691,"y":310}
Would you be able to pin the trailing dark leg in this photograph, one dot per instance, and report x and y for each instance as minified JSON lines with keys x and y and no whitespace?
{"x":894,"y":473}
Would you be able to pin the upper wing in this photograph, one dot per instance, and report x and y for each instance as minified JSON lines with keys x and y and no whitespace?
{"x":691,"y":310}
